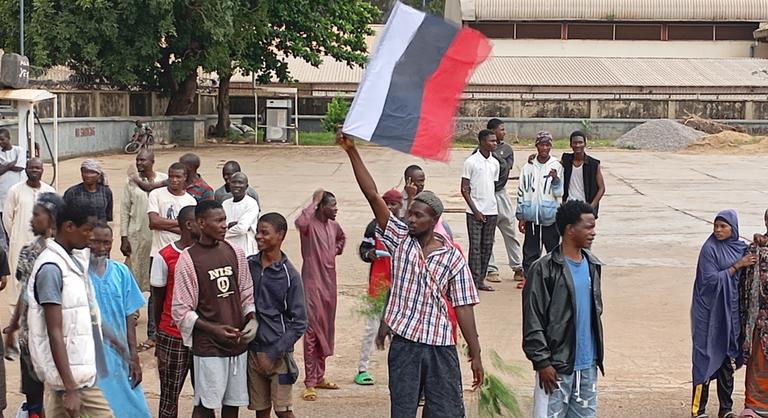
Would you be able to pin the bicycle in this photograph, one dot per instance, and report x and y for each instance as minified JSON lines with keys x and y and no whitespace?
{"x":141,"y":138}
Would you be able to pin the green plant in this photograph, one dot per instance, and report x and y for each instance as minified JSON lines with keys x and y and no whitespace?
{"x":373,"y":306}
{"x":496,"y":398}
{"x":335,"y":114}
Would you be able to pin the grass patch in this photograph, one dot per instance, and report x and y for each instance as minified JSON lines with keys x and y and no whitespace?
{"x":329,"y":138}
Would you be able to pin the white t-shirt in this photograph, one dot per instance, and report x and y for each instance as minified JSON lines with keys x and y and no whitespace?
{"x":482,"y":173}
{"x":576,"y":184}
{"x":246,"y":214}
{"x":167,"y":205}
{"x":11,"y":178}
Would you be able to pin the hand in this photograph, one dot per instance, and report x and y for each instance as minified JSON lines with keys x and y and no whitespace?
{"x":760,"y":240}
{"x":249,"y":331}
{"x":371,"y":255}
{"x":10,"y":338}
{"x":479,"y":217}
{"x":134,"y":371}
{"x":265,"y":363}
{"x":478,"y":373}
{"x":226,"y":334}
{"x":548,"y":379}
{"x":72,"y":403}
{"x":521,"y":226}
{"x":125,"y":246}
{"x":410,"y":188}
{"x":553,"y":174}
{"x":746,"y":261}
{"x":317,"y":196}
{"x":381,"y":336}
{"x":346,"y":143}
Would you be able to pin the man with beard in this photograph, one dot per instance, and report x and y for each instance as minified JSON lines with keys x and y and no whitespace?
{"x":429,"y":279}
{"x":17,"y":213}
{"x":322,"y":240}
{"x":119,"y":299}
{"x":136,"y":239}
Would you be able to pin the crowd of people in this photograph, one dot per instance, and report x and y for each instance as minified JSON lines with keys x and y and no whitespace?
{"x":226,"y":305}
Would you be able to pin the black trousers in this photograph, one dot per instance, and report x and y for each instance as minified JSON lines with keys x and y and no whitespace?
{"x":724,"y":377}
{"x":416,"y":368}
{"x":481,"y":236}
{"x":535,"y":237}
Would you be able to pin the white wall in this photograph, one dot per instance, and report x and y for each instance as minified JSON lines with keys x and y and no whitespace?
{"x":595,"y":48}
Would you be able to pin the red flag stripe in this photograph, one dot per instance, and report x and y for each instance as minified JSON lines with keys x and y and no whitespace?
{"x":442,"y":92}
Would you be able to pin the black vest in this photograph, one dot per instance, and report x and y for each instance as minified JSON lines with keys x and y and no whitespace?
{"x":590,"y":177}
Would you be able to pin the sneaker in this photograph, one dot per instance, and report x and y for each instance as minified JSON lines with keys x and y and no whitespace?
{"x":493,"y":277}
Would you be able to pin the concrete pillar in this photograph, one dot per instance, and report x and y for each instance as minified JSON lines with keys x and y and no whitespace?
{"x":127,"y":104}
{"x":672,"y":109}
{"x":198,"y":138}
{"x":749,"y":110}
{"x":95,"y":104}
{"x":517,"y":109}
{"x":63,"y":108}
{"x":593,"y":109}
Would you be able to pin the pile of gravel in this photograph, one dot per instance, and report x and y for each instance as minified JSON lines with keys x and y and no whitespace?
{"x":660,"y":135}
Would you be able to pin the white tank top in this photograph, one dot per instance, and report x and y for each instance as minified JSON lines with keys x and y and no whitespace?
{"x":576,"y":185}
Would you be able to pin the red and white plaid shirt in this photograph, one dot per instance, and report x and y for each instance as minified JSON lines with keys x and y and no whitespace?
{"x":418,"y":302}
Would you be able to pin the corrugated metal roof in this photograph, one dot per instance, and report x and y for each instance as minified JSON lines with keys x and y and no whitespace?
{"x":578,"y":72}
{"x":602,"y":10}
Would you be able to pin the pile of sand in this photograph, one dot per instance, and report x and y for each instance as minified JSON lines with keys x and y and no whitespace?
{"x":659,"y":135}
{"x":729,"y":141}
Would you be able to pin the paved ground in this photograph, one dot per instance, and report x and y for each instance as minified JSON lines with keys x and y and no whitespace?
{"x":653,"y":220}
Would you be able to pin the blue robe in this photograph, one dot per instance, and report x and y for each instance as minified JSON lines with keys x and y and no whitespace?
{"x":118,"y":296}
{"x":715,"y":321}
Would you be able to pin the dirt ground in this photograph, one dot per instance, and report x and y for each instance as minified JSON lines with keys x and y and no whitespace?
{"x":653,"y":220}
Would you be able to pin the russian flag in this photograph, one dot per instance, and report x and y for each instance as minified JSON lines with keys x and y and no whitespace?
{"x":411,"y":88}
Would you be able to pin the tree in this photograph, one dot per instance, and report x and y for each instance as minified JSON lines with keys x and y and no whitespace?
{"x":164,"y":44}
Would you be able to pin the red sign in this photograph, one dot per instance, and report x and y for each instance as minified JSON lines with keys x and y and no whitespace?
{"x":90,"y":131}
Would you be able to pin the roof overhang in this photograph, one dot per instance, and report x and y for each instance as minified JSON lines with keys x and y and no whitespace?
{"x":26,"y":95}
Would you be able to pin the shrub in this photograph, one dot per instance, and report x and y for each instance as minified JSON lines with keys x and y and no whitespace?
{"x":337,"y":111}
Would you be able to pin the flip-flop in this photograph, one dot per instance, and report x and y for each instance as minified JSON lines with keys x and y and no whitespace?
{"x":486,"y":288}
{"x":521,"y":284}
{"x":364,"y":379}
{"x":325,"y":384}
{"x":310,"y":394}
{"x":146,"y":345}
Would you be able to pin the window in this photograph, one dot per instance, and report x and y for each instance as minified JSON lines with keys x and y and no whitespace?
{"x":539,"y":31}
{"x":589,"y":31}
{"x":638,"y":32}
{"x":690,"y":32}
{"x":740,"y":32}
{"x":495,"y":30}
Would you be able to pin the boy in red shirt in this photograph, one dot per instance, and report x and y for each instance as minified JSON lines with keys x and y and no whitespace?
{"x":174,"y":360}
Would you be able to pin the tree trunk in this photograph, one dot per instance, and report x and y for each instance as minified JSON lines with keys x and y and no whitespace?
{"x":183,"y":98}
{"x":222,"y":105}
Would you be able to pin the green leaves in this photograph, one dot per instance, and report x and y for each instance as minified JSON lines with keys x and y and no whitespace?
{"x":336,"y":113}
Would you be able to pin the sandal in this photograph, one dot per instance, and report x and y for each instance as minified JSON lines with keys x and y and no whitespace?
{"x":310,"y":394}
{"x":521,"y":284}
{"x":493,"y":277}
{"x":326,"y":384}
{"x":364,"y":379}
{"x":486,"y":288}
{"x":146,"y":345}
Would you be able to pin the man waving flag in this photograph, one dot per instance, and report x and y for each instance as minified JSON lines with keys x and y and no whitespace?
{"x":411,"y":88}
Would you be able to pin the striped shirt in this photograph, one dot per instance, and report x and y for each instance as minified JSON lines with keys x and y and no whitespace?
{"x":417,"y":309}
{"x":200,"y":190}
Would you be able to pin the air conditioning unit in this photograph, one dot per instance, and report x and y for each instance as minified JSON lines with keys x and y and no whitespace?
{"x":278,"y":117}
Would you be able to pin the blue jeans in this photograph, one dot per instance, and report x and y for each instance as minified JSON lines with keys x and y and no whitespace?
{"x":575,"y":396}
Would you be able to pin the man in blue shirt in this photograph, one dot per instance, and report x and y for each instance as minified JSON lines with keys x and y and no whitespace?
{"x":562,"y":331}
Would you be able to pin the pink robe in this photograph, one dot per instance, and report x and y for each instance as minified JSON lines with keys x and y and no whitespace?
{"x":321,"y":242}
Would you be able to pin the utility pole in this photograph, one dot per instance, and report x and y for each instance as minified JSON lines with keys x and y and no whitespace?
{"x":21,"y":27}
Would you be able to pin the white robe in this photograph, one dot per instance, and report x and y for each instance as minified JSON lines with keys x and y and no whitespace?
{"x":17,"y":215}
{"x":246,"y":214}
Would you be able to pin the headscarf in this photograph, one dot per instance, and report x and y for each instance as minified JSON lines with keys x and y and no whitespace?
{"x":715,"y":322}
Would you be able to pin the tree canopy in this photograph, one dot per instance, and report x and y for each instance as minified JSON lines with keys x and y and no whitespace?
{"x":163,"y":44}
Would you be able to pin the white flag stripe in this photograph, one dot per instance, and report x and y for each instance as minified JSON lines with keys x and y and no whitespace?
{"x":371,"y":95}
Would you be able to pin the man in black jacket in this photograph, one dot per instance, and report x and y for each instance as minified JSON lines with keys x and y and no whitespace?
{"x":583,"y":178}
{"x":562,"y":331}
